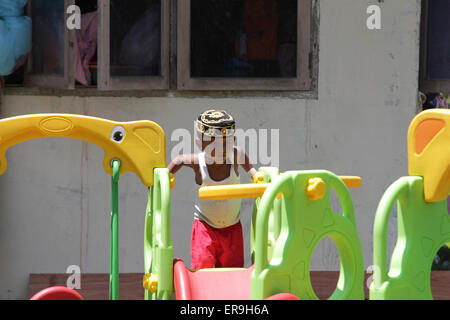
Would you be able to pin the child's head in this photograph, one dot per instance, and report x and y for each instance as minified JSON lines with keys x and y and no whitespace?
{"x":215,"y":129}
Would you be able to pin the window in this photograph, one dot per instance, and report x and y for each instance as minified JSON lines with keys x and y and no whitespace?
{"x":119,"y":46}
{"x":435,"y":46}
{"x":222,"y":45}
{"x":134,"y":45}
{"x":49,"y":64}
{"x":244,"y":45}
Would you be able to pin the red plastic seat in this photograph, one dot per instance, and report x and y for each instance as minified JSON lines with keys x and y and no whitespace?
{"x":57,"y":293}
{"x":283,"y":296}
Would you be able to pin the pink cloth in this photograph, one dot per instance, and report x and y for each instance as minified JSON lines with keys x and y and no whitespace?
{"x":85,"y":47}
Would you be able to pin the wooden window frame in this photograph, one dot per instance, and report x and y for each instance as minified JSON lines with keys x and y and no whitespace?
{"x":179,"y":79}
{"x":65,"y":81}
{"x":300,"y":83}
{"x":105,"y":81}
{"x":427,"y":85}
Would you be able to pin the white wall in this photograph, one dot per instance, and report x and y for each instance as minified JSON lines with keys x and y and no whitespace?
{"x":54,"y":197}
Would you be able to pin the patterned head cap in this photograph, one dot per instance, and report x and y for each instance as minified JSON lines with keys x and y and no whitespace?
{"x":216,"y":123}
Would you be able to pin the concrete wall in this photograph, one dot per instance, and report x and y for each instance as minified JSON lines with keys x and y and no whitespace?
{"x":54,"y":199}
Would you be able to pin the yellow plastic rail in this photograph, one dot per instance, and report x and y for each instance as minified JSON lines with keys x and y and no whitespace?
{"x":351,"y":182}
{"x":140,"y":146}
{"x":253,"y":190}
{"x":237,"y":191}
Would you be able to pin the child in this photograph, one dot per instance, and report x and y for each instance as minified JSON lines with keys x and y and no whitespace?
{"x":217,"y":231}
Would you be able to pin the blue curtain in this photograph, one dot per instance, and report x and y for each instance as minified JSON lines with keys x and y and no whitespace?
{"x":15,"y":35}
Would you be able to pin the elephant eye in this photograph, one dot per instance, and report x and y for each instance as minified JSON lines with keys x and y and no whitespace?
{"x":118,"y":134}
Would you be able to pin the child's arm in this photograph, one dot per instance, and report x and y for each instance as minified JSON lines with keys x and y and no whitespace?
{"x":181,"y":160}
{"x":187,"y":160}
{"x":243,"y":160}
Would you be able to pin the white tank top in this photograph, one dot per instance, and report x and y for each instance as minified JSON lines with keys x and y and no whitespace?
{"x":217,"y":213}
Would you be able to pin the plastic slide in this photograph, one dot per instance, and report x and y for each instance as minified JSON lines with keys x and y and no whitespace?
{"x":234,"y":284}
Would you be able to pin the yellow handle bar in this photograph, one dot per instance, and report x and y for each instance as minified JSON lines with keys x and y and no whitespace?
{"x":254,"y":190}
{"x":236,"y":191}
{"x":351,"y":182}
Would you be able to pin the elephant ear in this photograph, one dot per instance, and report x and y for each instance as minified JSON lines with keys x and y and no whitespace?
{"x":429,"y":152}
{"x":425,"y":133}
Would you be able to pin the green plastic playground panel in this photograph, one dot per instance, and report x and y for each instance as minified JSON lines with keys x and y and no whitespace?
{"x":270,"y":174}
{"x":158,"y":246}
{"x":304,"y":223}
{"x":423,"y":228}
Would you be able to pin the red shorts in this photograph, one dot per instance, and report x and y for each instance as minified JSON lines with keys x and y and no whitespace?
{"x":220,"y":248}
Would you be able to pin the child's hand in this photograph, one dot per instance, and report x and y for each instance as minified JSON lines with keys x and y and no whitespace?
{"x":171,"y":179}
{"x":258,"y":177}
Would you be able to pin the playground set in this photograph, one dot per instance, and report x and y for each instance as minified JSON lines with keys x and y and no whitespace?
{"x":291,"y":215}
